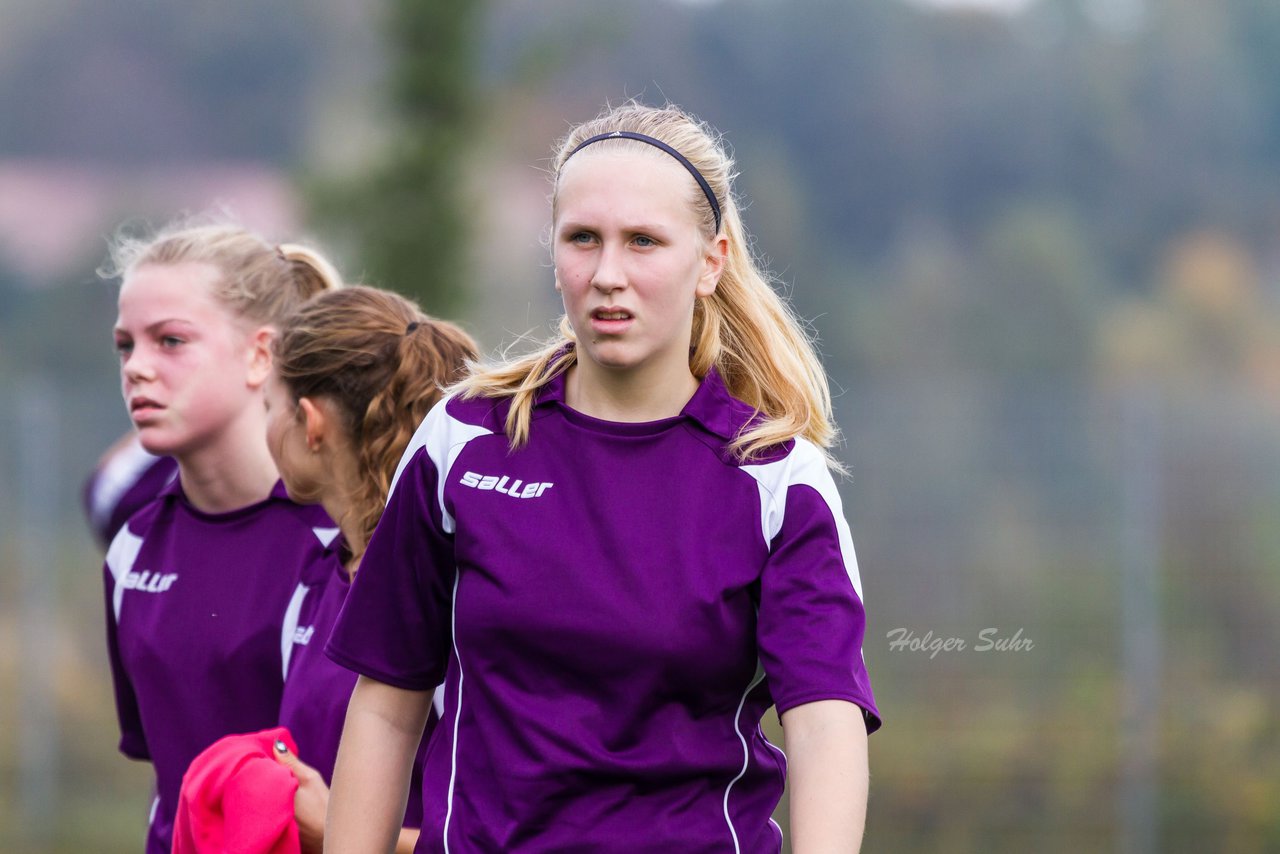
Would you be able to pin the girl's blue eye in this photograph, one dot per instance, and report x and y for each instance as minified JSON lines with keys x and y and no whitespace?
{"x":170,"y":341}
{"x":580,"y":237}
{"x":642,"y":240}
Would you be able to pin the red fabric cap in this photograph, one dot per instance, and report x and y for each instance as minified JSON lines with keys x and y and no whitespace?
{"x":237,"y":798}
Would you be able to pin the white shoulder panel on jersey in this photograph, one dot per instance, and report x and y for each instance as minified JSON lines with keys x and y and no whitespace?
{"x":804,"y":466}
{"x":290,"y":627}
{"x":120,"y":559}
{"x":444,"y":437}
{"x":325,"y":535}
{"x":119,"y":474}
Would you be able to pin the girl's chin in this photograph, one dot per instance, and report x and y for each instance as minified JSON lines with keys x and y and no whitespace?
{"x":613,"y":355}
{"x":157,"y":443}
{"x":301,"y":491}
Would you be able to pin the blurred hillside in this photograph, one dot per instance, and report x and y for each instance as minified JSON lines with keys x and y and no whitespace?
{"x":1039,"y":250}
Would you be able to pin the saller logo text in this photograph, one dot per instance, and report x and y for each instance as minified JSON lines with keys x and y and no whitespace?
{"x":516,"y":488}
{"x":149,"y":582}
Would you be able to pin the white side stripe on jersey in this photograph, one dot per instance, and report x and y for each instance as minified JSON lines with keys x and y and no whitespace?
{"x":746,"y":754}
{"x":764,"y":739}
{"x":121,"y":557}
{"x":457,"y":716}
{"x":290,"y":626}
{"x":804,"y":466}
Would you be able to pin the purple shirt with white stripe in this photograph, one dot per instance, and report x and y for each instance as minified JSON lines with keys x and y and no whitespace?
{"x":316,"y":690}
{"x":613,"y":608}
{"x":196,"y":608}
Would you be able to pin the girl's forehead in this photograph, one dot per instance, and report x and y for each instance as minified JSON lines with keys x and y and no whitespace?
{"x":185,"y":288}
{"x":619,"y":167}
{"x":180,"y":276}
{"x":624,"y":177}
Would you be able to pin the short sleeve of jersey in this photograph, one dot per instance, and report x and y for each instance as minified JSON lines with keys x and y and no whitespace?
{"x":395,"y":625}
{"x":120,"y":558}
{"x":811,"y":620}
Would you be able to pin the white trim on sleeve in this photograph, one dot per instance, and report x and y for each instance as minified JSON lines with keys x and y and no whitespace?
{"x":444,"y":437}
{"x":804,"y":466}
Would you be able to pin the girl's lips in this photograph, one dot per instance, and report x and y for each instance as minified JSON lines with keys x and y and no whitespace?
{"x":141,"y":409}
{"x":603,"y":326}
{"x":611,"y":321}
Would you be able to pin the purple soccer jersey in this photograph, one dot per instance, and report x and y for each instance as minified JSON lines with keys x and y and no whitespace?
{"x":613,"y":608}
{"x":316,"y":689}
{"x":196,"y":606}
{"x":125,"y":483}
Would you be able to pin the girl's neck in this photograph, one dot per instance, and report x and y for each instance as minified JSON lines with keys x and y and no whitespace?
{"x":340,"y":511}
{"x":634,"y":395}
{"x":234,"y":471}
{"x":337,"y":503}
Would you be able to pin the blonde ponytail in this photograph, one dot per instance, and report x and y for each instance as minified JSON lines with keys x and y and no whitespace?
{"x":312,"y":272}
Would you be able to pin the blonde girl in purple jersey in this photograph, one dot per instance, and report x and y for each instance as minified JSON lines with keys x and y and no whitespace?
{"x":225,"y":279}
{"x":198,"y":581}
{"x":355,"y":372}
{"x":619,"y":552}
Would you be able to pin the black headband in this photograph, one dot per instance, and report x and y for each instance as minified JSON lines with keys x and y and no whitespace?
{"x":657,"y":143}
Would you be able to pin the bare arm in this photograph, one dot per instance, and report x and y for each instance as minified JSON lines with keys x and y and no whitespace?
{"x":371,"y":778}
{"x":827,"y":776}
{"x":311,"y":806}
{"x":408,"y":840}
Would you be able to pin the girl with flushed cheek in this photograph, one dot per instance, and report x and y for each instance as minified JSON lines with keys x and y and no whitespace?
{"x":618,"y":552}
{"x":189,"y":370}
{"x":356,"y":370}
{"x":199,"y":581}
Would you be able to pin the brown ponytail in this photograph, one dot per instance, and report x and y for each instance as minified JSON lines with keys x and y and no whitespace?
{"x":383,"y":363}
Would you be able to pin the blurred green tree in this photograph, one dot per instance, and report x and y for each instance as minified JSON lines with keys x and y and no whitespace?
{"x":406,"y":216}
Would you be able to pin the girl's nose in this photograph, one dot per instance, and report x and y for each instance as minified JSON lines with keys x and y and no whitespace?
{"x":608,"y":275}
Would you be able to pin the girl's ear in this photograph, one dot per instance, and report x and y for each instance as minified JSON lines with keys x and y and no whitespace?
{"x":260,"y":356}
{"x":316,"y":421}
{"x":713,"y":266}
